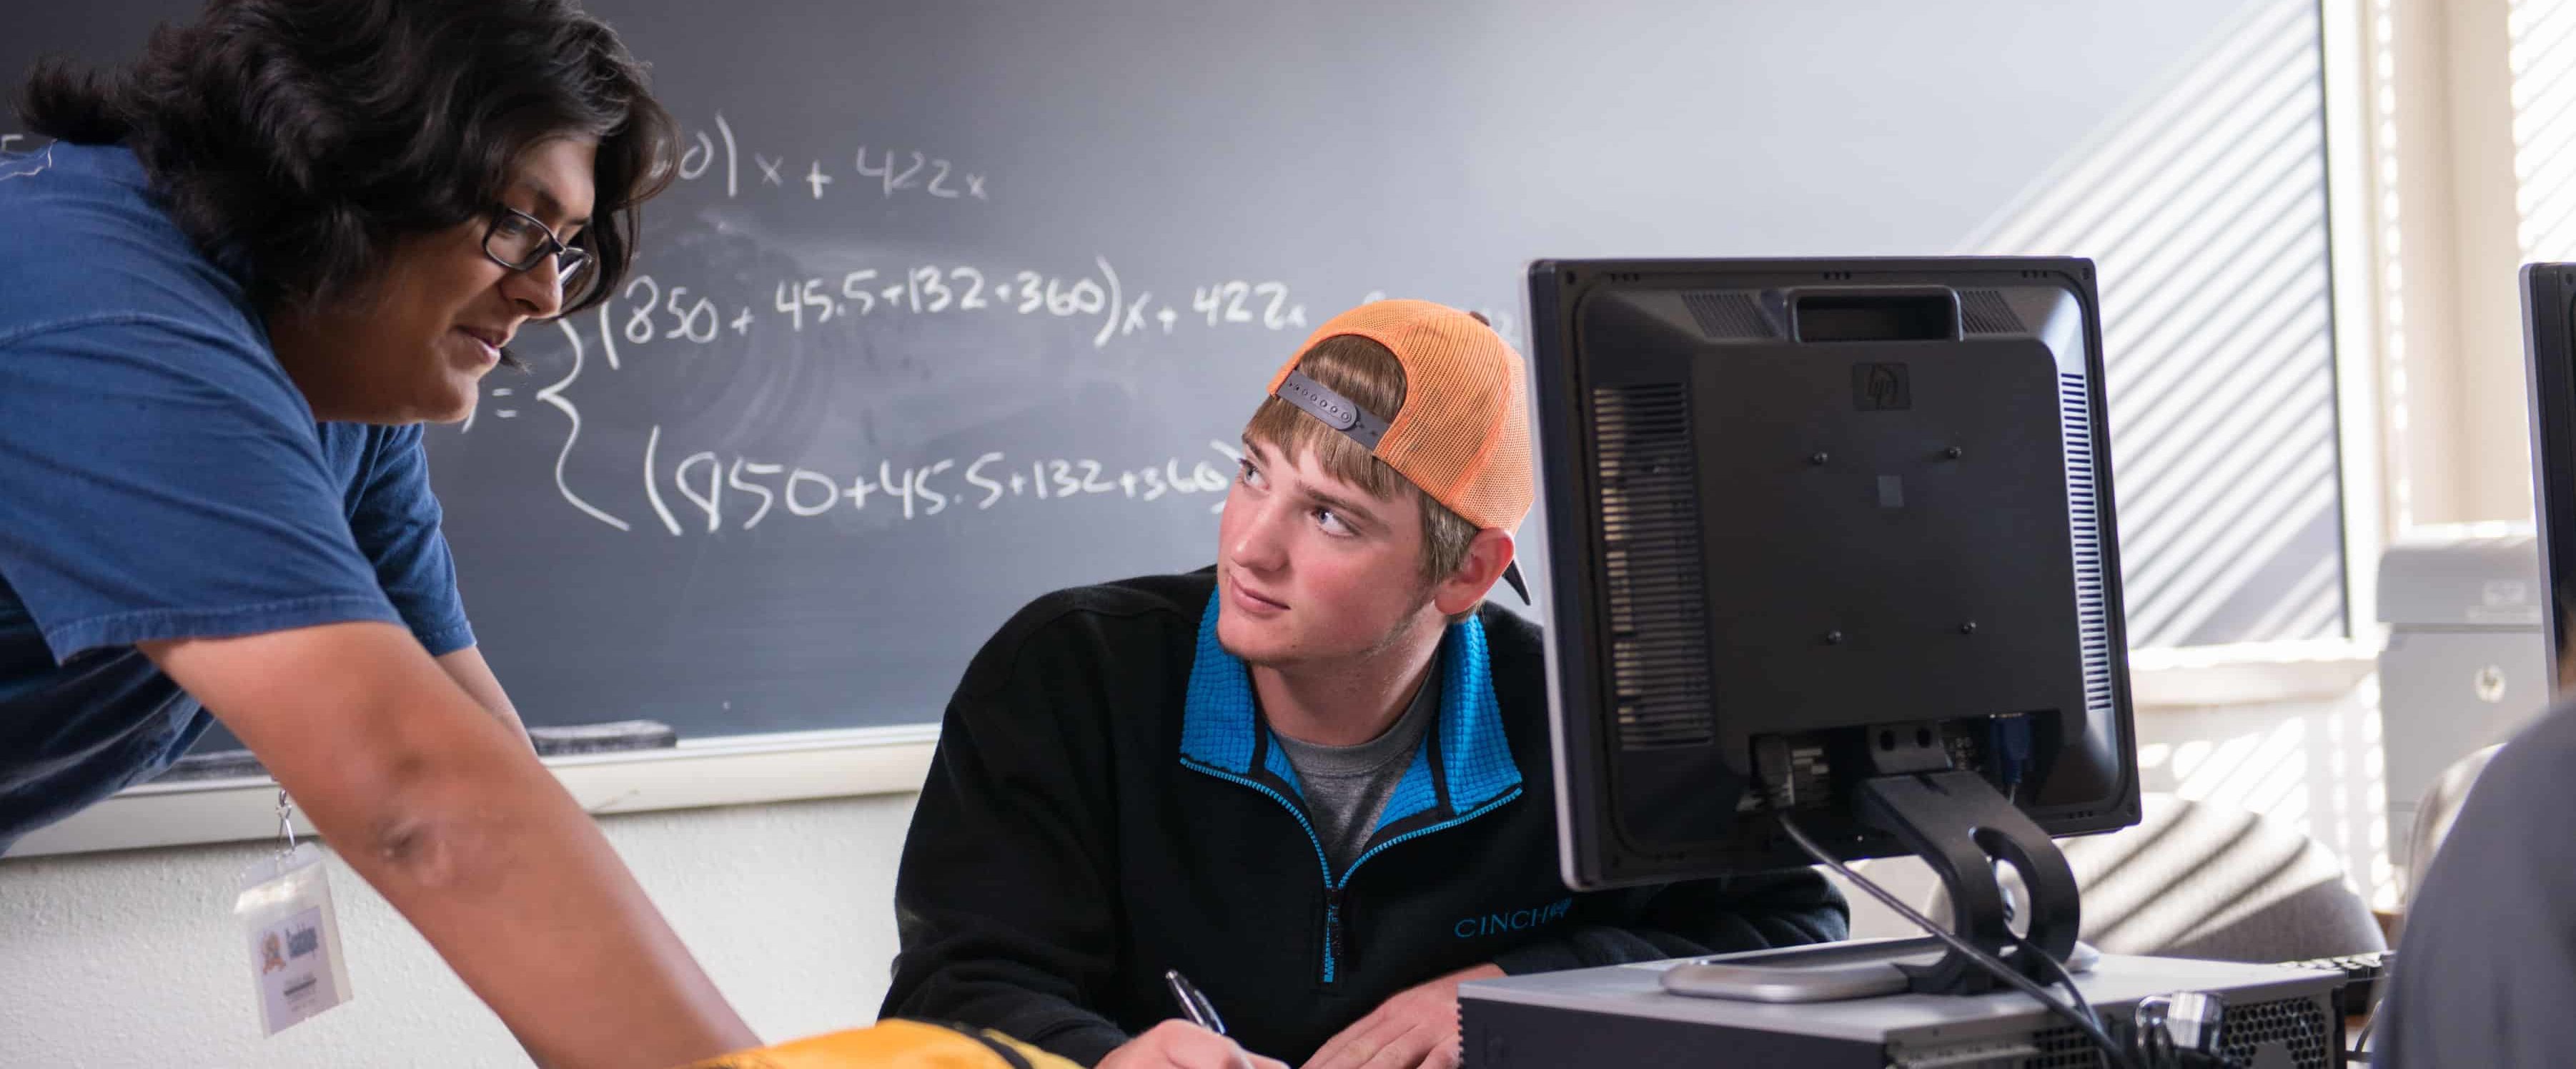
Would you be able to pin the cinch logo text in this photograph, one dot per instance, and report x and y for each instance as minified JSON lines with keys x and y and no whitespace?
{"x":1514,"y":921}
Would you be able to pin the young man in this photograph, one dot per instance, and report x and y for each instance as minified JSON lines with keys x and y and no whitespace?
{"x":1313,"y":780}
{"x":230,"y":291}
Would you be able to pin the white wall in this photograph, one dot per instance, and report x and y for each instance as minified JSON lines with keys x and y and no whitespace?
{"x":132,"y":958}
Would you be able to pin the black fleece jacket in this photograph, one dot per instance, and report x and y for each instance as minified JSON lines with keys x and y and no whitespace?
{"x":1106,"y":804}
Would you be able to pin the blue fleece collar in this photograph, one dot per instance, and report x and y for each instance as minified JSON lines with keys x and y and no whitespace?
{"x":1218,"y":724}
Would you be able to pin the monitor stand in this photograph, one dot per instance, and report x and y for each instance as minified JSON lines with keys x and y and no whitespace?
{"x":1956,"y":822}
{"x":1826,"y":972}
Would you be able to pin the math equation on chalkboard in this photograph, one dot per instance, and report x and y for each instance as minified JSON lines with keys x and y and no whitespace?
{"x":652,"y":311}
{"x":777,"y":263}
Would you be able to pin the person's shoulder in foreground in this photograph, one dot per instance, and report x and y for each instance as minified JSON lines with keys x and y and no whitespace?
{"x":2486,"y":969}
{"x":915,"y":1044}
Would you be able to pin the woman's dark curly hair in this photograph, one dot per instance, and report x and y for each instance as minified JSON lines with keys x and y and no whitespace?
{"x":299,"y":139}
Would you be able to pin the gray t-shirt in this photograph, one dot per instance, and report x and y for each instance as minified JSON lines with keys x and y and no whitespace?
{"x":1347,"y":786}
{"x":2486,"y":974}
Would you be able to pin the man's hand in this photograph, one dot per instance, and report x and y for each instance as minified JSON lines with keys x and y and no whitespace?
{"x":1182,"y":1045}
{"x":1416,"y":1028}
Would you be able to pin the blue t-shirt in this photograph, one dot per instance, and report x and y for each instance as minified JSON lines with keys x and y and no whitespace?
{"x":160,"y":477}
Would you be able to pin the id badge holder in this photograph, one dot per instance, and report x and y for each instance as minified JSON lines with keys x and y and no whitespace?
{"x":284,"y":907}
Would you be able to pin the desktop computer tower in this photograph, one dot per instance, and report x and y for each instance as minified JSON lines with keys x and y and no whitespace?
{"x":2278,"y":1017}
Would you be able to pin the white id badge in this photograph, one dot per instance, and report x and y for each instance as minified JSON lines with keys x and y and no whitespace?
{"x":285,"y":911}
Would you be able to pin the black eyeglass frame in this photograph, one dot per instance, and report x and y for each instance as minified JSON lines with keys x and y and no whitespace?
{"x":570,"y":259}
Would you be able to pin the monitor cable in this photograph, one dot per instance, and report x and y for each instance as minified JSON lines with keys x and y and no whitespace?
{"x":2360,"y":1052}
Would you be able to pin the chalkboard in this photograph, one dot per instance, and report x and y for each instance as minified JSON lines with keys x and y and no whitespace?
{"x":956,"y":303}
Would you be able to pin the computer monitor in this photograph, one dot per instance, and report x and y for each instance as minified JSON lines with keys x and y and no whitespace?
{"x":2549,"y":362}
{"x":1833,"y":537}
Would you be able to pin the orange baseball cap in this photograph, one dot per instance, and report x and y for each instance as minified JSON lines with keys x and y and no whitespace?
{"x":1462,"y":435}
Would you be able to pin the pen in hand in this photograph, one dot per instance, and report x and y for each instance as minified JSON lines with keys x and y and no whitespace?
{"x":1195,"y":1004}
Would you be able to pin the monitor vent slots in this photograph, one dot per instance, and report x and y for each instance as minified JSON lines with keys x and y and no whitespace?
{"x":2092,"y":607}
{"x":1657,"y":611}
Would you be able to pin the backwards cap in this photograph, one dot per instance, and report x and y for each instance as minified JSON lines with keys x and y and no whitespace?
{"x":1462,"y":435}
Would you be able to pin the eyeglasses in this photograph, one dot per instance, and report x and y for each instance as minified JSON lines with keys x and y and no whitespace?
{"x":517,"y":241}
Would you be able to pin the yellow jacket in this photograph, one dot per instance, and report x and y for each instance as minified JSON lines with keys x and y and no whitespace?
{"x":895,"y":1045}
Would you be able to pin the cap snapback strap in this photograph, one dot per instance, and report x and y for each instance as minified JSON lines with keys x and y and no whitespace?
{"x":1336,"y":411}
